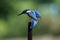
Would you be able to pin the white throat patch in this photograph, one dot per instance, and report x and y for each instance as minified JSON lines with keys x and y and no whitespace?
{"x":28,"y":11}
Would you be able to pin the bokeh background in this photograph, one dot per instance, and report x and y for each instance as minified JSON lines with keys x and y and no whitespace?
{"x":13,"y":26}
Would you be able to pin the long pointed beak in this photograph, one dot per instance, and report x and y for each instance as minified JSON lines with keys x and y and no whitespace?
{"x":19,"y":14}
{"x":23,"y":12}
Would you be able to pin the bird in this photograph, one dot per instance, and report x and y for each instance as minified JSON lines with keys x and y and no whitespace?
{"x":35,"y":14}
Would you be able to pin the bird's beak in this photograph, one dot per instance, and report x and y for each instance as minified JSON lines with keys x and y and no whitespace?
{"x":20,"y":13}
{"x":23,"y":12}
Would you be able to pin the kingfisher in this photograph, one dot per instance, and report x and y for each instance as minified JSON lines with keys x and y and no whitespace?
{"x":33,"y":15}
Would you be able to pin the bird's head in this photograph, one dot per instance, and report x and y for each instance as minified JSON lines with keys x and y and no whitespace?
{"x":25,"y":11}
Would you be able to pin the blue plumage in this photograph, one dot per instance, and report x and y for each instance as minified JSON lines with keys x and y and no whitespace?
{"x":34,"y":14}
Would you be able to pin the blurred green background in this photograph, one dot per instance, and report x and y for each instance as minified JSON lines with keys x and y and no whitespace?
{"x":12,"y":25}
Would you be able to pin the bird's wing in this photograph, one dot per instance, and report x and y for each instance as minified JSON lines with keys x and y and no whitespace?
{"x":38,"y":15}
{"x":31,"y":14}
